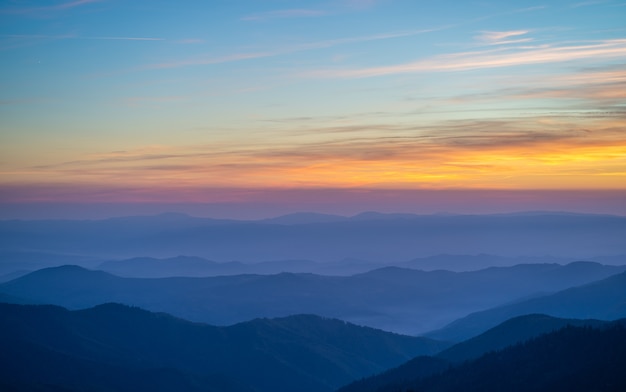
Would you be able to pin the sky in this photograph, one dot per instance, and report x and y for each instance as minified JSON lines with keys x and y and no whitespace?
{"x":250,"y":108}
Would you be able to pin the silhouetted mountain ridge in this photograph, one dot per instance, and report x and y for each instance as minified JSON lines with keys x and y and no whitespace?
{"x":554,"y":354}
{"x":303,"y":352}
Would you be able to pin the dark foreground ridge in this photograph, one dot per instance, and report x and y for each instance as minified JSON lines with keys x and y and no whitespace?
{"x":120,"y":348}
{"x":569,"y":359}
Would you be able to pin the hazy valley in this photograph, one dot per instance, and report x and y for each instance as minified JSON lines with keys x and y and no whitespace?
{"x":235,"y":314}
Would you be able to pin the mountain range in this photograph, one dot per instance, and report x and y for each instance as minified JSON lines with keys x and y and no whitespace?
{"x":394,"y":299}
{"x":302,"y":302}
{"x":372,"y":237}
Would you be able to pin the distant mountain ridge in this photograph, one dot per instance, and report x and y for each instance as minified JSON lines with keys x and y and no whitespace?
{"x":373,"y":237}
{"x":187,"y":266}
{"x":149,"y":267}
{"x":394,"y":299}
{"x":17,"y":263}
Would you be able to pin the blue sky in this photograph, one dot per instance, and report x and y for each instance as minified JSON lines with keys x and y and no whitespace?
{"x":158,"y":101}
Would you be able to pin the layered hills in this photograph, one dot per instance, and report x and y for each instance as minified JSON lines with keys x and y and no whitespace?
{"x":396,"y":299}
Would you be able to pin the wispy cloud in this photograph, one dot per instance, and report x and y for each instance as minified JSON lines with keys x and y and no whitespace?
{"x":494,"y":36}
{"x":13,"y":41}
{"x":74,"y":36}
{"x":361,"y":4}
{"x":207,"y":60}
{"x":488,"y":59}
{"x":73,"y":4}
{"x":588,"y":3}
{"x":46,"y":10}
{"x":337,"y":7}
{"x":113,"y":38}
{"x":284,"y":14}
{"x":187,"y":41}
{"x":606,"y":87}
{"x":152,"y":100}
{"x":529,"y":9}
{"x":502,"y":37}
{"x":585,"y":92}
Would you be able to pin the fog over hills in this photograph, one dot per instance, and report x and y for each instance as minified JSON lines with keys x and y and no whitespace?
{"x":394,"y":299}
{"x":604,"y":299}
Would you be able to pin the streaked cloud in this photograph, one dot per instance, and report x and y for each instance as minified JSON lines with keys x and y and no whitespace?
{"x":207,"y":60}
{"x":503,"y":37}
{"x":361,"y":4}
{"x":187,"y":41}
{"x":13,"y":41}
{"x":73,"y":4}
{"x":332,"y":9}
{"x":494,"y":36}
{"x":282,"y":14}
{"x":588,"y":3}
{"x":587,"y":91}
{"x":497,"y":58}
{"x":152,"y":100}
{"x":74,"y":36}
{"x":112,"y":38}
{"x":46,"y":10}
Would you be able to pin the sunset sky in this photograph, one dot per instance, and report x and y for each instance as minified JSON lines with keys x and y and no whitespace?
{"x":253,"y":108}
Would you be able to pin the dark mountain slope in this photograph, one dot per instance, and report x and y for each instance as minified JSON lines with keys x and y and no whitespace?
{"x":570,"y":359}
{"x":604,"y":299}
{"x":121,"y":348}
{"x":514,"y":331}
{"x":415,"y":369}
{"x":510,"y":332}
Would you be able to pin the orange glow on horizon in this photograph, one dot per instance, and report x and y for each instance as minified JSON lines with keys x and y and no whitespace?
{"x":541,"y":166}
